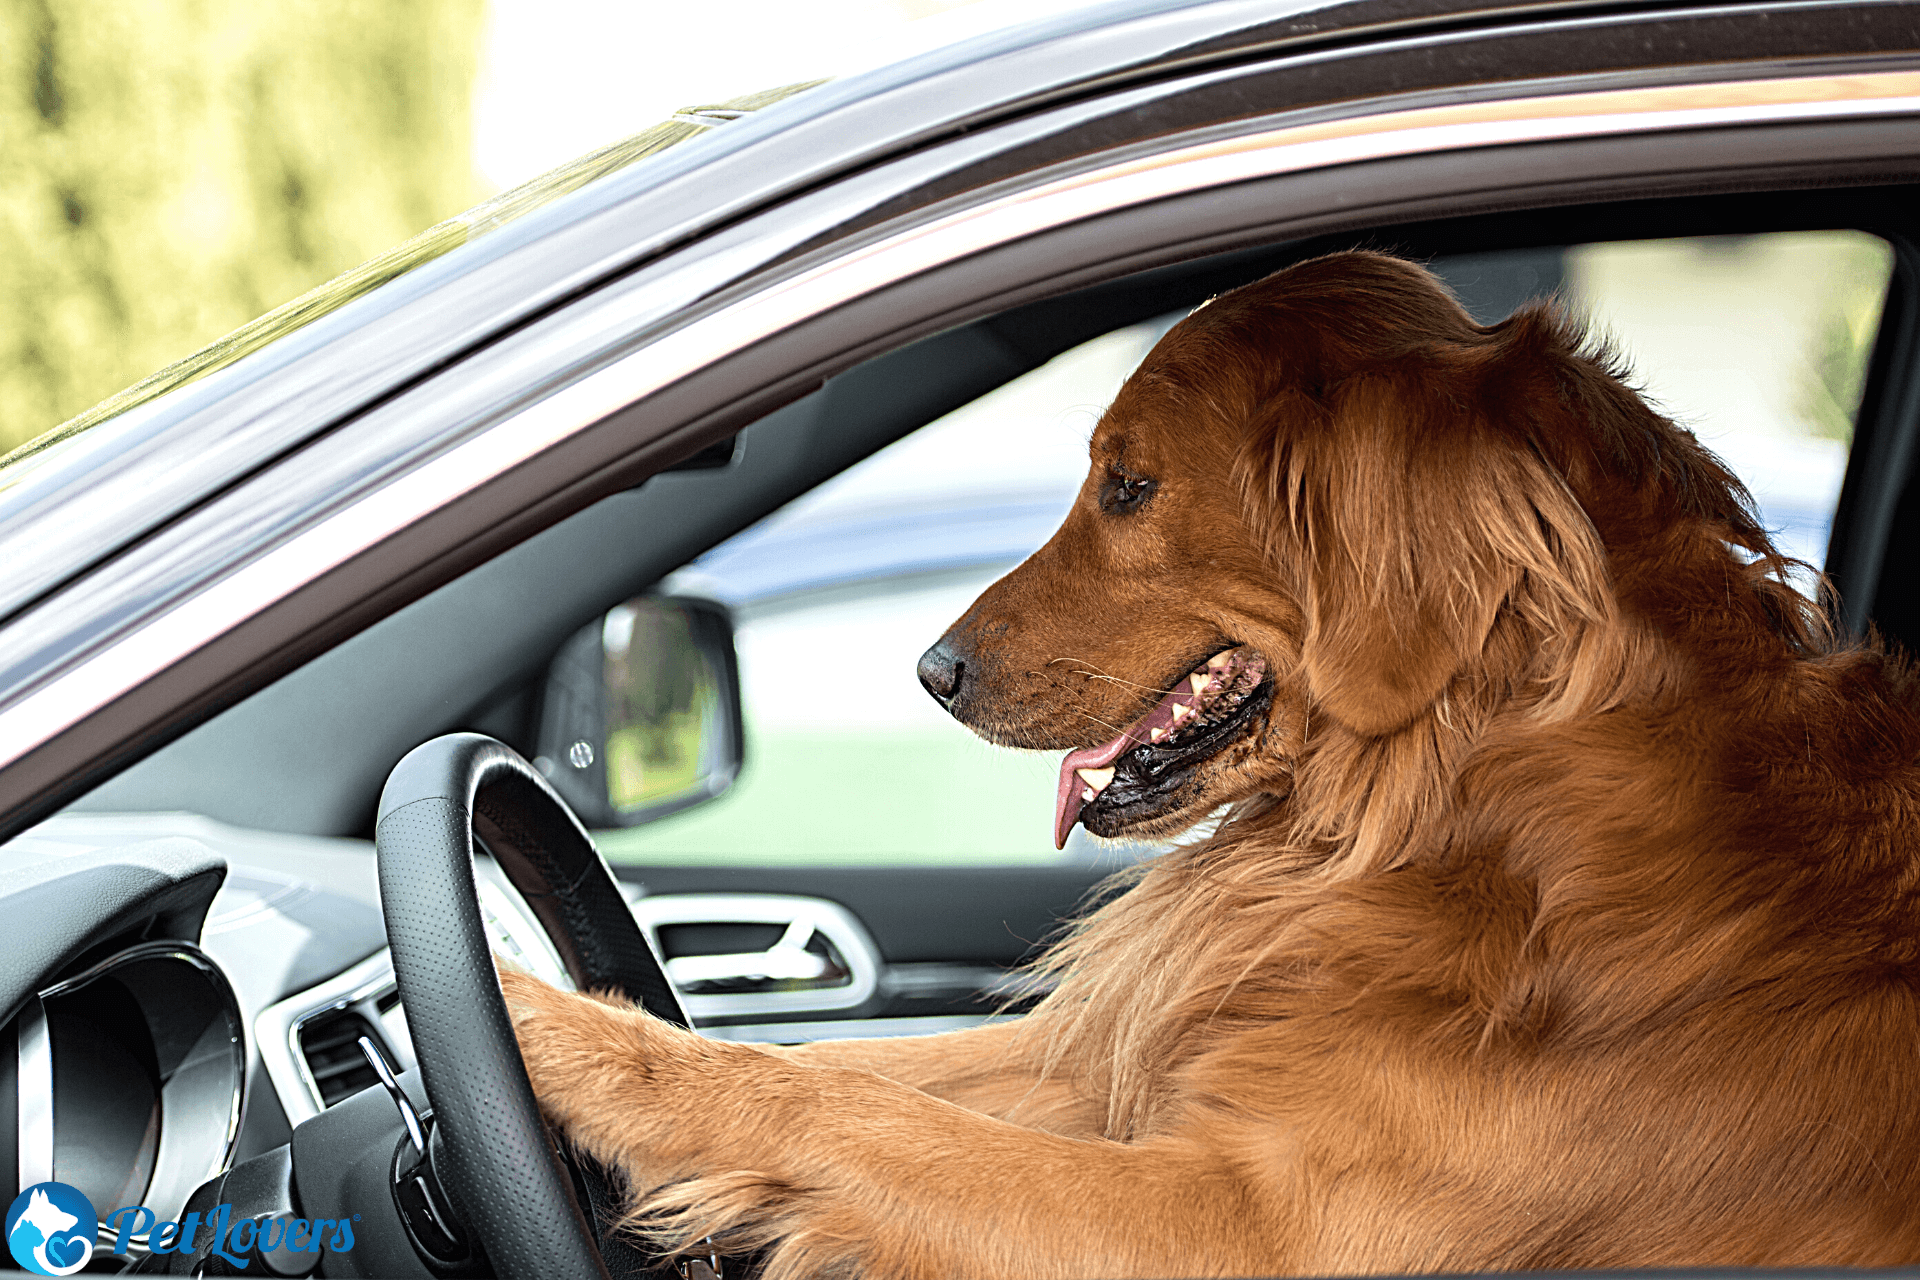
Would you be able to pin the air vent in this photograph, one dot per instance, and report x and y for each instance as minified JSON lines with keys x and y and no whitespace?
{"x":330,"y":1042}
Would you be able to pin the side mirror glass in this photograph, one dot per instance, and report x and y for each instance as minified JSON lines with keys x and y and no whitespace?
{"x":641,"y":714}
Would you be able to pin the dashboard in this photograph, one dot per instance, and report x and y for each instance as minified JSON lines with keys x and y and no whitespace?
{"x":182,"y":994}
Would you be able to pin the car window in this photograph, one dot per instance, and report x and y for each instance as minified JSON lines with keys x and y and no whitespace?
{"x":1759,"y":343}
{"x":836,"y":595}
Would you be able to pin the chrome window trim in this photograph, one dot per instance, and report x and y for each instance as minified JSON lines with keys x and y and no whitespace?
{"x":144,"y":653}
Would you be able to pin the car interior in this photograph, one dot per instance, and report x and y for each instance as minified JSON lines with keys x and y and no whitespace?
{"x":819,"y":853}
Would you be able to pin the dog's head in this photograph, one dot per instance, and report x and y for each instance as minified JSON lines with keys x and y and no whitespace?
{"x":1322,"y":502}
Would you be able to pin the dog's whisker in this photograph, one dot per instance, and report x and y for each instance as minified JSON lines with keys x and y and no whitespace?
{"x":1097,"y":674}
{"x":1131,"y":684}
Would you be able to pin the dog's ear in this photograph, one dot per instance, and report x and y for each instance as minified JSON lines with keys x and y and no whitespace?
{"x":1410,"y":518}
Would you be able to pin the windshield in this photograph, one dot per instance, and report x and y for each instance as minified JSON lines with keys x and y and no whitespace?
{"x":402,"y":258}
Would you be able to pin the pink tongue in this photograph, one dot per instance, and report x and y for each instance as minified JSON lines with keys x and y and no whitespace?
{"x":1069,"y":798}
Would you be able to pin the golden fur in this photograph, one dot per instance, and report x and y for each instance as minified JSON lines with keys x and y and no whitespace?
{"x":1564,"y":914}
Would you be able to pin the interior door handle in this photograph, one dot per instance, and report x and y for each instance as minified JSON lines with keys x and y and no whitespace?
{"x":796,"y":975}
{"x":787,"y":960}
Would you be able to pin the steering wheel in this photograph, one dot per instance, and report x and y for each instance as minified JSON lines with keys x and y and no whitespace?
{"x":494,"y":1155}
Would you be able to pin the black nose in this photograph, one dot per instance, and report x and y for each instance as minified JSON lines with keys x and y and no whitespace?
{"x":941,"y":671}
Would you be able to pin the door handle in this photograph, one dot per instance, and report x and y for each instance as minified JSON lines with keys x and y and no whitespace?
{"x":823,"y":961}
{"x":787,"y":960}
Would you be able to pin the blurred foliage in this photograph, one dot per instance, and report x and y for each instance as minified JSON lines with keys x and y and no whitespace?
{"x":437,"y":239}
{"x":1848,"y":323}
{"x":655,"y":761}
{"x":174,"y":168}
{"x":884,"y":797}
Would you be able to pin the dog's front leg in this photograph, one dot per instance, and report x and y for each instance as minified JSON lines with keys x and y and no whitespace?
{"x":835,"y":1170}
{"x":995,"y":1069}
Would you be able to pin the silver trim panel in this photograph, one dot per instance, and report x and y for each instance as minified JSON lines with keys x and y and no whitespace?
{"x":34,"y":1136}
{"x":987,"y":982}
{"x":276,"y":1030}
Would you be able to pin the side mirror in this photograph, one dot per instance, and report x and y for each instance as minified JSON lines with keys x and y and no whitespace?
{"x":641,"y":715}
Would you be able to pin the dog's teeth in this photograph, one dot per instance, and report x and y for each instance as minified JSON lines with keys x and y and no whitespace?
{"x":1096,"y":780}
{"x":1087,"y":793}
{"x":1181,"y":711}
{"x":1219,"y":660}
{"x":1199,"y":683}
{"x":1155,"y":734}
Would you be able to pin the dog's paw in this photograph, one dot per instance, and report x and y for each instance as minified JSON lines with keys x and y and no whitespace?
{"x":576,"y":1048}
{"x":623,"y":1085}
{"x":677,"y":1113}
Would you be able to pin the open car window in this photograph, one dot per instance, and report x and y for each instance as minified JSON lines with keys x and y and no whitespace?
{"x":1758,"y":343}
{"x":836,"y":595}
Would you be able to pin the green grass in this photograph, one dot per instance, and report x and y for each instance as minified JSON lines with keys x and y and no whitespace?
{"x":878,"y":798}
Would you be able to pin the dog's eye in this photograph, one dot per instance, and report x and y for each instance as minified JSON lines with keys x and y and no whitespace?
{"x":1124,"y":492}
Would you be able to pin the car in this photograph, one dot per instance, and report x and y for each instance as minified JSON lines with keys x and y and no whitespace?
{"x":646,"y":498}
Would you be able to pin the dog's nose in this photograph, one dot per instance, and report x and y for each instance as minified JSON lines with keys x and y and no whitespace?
{"x":941,"y":671}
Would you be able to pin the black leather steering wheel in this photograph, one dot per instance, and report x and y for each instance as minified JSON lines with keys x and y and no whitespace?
{"x":495,"y":1157}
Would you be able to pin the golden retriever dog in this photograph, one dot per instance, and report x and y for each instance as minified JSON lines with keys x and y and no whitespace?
{"x":1561,"y":910}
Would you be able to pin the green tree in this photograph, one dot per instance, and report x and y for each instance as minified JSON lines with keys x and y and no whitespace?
{"x":170,"y":169}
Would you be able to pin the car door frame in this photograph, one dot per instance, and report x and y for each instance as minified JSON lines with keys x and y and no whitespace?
{"x":591,"y":401}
